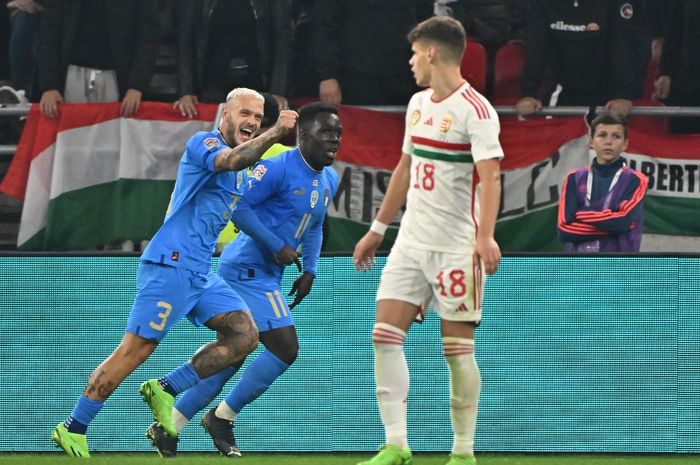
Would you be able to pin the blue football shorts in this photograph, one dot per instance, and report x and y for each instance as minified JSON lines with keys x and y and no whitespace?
{"x":166,"y":294}
{"x":263,"y":295}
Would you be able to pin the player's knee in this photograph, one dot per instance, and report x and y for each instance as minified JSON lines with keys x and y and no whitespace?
{"x":240,"y":333}
{"x":136,"y":348}
{"x":383,"y":393}
{"x":238,"y":330}
{"x":288,"y":353}
{"x":460,"y":402}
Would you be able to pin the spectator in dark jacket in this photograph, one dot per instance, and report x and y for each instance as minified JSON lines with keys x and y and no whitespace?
{"x":679,"y":70}
{"x":361,"y":52}
{"x":593,"y":47}
{"x":96,"y":51}
{"x":232,"y":43}
{"x":24,"y":35}
{"x":163,"y":84}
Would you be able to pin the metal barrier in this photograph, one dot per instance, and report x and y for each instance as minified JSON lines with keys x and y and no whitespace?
{"x":23,"y":109}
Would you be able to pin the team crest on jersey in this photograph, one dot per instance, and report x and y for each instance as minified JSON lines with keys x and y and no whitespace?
{"x":258,"y":172}
{"x":239,"y":179}
{"x":314,"y":198}
{"x":326,"y":197}
{"x":415,"y":117}
{"x":446,"y":123}
{"x":626,"y":11}
{"x":211,"y":143}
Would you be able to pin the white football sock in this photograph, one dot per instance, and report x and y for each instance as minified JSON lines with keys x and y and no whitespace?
{"x":225,"y":412}
{"x":392,"y":380}
{"x":179,"y":420}
{"x":465,"y":385}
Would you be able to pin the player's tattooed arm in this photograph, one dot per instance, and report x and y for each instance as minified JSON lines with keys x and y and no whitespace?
{"x":245,"y":155}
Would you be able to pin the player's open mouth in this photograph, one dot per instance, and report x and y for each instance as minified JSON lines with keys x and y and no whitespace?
{"x":246,"y":133}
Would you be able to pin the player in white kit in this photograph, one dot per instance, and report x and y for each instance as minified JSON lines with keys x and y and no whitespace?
{"x":449,"y":179}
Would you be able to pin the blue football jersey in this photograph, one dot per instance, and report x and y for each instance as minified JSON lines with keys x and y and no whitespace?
{"x":200,"y":206}
{"x":290,"y":199}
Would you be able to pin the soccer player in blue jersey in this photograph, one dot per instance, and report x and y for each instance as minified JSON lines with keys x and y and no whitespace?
{"x":175,"y":279}
{"x":285,"y":203}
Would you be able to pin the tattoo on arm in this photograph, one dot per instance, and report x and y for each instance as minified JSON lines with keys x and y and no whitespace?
{"x":245,"y":155}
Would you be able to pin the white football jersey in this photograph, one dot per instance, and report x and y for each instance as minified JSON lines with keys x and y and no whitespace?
{"x":445,"y":139}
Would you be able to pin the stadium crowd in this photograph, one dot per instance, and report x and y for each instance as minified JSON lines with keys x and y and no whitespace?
{"x":578,"y":52}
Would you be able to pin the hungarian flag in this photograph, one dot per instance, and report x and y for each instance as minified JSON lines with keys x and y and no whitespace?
{"x":93,"y":178}
{"x":539,"y":153}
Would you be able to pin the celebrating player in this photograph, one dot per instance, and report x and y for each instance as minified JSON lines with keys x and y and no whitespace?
{"x":284,"y":205}
{"x":448,"y":177}
{"x":174,"y":277}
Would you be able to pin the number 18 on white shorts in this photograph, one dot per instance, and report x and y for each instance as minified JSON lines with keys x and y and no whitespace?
{"x":453,"y":283}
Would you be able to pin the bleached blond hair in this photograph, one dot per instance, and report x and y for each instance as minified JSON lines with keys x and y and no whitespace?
{"x":242,"y":92}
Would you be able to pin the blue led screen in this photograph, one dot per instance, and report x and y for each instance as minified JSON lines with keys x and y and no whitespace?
{"x":576,"y":354}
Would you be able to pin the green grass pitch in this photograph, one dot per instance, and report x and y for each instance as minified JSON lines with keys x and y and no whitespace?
{"x":352,"y":459}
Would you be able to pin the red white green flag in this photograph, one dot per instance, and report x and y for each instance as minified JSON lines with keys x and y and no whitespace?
{"x":93,"y":178}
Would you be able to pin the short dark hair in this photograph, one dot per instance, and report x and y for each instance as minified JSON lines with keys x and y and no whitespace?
{"x":308,"y":112}
{"x":609,"y":118}
{"x":443,"y":30}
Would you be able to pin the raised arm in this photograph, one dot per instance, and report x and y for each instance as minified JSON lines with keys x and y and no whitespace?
{"x":245,"y":155}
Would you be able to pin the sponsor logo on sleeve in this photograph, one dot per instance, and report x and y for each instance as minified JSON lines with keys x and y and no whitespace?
{"x":211,"y":143}
{"x":258,"y":172}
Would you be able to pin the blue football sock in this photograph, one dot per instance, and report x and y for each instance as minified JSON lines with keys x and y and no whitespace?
{"x":179,"y":380}
{"x":201,"y":394}
{"x":83,"y":413}
{"x":256,"y":379}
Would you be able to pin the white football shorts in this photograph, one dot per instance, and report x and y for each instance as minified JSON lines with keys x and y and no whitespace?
{"x":453,"y":283}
